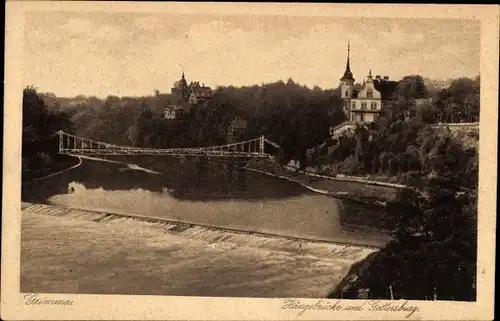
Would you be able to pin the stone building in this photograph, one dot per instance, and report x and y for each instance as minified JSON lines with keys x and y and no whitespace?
{"x":176,"y":111}
{"x":181,"y":89}
{"x":199,"y":94}
{"x":370,"y":102}
{"x":185,"y":97}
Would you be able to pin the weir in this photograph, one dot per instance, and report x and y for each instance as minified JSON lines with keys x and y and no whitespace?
{"x":206,"y":232}
{"x":243,"y":260}
{"x":169,"y":258}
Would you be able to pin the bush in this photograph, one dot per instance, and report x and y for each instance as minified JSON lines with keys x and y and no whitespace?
{"x":39,"y":124}
{"x":434,"y":250}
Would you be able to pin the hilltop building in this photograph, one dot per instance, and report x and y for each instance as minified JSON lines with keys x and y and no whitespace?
{"x":177,"y":111}
{"x":185,"y":97}
{"x":199,"y":94}
{"x":181,"y":88}
{"x":371,"y":101}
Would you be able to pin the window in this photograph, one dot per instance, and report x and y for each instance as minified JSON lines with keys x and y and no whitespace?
{"x":374,"y":106}
{"x":353,"y":105}
{"x":363,"y":105}
{"x":369,"y":94}
{"x":346,"y":93}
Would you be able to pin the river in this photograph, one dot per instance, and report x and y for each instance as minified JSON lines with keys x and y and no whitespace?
{"x":210,"y":192}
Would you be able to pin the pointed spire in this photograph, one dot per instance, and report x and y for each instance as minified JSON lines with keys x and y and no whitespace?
{"x":348,"y":67}
{"x":183,"y":74}
{"x":348,"y":73}
{"x":370,"y":77}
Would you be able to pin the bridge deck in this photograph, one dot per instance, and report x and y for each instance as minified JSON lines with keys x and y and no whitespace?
{"x":75,"y":145}
{"x":159,"y":152}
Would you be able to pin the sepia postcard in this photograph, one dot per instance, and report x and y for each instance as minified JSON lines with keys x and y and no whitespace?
{"x":249,"y":161}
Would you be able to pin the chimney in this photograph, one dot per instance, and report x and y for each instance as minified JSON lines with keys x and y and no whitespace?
{"x":386,"y":77}
{"x":377,"y":77}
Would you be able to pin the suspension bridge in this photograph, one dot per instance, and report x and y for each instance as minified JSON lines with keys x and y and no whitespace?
{"x":70,"y":144}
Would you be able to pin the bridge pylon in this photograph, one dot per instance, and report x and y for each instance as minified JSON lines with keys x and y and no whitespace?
{"x":261,"y":147}
{"x":60,"y":146}
{"x":72,"y":144}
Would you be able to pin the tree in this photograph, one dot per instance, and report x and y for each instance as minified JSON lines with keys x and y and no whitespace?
{"x":435,"y":242}
{"x":458,"y":103}
{"x":39,"y":127}
{"x":411,"y":87}
{"x":384,"y":158}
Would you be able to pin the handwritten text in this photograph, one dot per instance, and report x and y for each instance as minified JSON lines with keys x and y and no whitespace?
{"x":36,"y":299}
{"x":370,"y":305}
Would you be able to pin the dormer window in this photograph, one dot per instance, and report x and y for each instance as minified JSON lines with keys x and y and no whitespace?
{"x":369,"y":94}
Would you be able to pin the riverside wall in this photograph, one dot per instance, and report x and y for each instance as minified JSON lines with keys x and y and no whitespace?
{"x":344,"y":187}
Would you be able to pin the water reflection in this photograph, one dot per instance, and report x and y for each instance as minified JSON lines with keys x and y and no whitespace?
{"x":214,"y":193}
{"x":193,"y":179}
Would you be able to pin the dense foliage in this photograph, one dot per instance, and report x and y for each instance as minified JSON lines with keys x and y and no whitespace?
{"x":434,"y":222}
{"x":457,"y":103}
{"x":401,"y":152}
{"x":294,"y":116}
{"x":397,"y":148}
{"x":434,"y":251}
{"x":39,"y":124}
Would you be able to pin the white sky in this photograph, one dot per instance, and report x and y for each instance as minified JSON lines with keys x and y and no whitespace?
{"x":133,"y":54}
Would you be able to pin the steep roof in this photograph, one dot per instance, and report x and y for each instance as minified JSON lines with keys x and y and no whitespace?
{"x":347,"y":73}
{"x":201,"y":90}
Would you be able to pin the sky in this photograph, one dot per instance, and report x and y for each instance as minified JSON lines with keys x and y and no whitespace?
{"x":132,"y":54}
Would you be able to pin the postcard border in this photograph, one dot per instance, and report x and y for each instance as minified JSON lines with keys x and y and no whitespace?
{"x":164,"y":307}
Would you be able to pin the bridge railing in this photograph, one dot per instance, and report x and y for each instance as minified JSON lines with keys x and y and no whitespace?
{"x":72,"y":144}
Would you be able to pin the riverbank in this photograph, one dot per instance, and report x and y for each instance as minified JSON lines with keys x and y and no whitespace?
{"x":212,"y":196}
{"x":49,"y":167}
{"x":110,"y":255}
{"x":349,"y":288}
{"x":361,"y":191}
